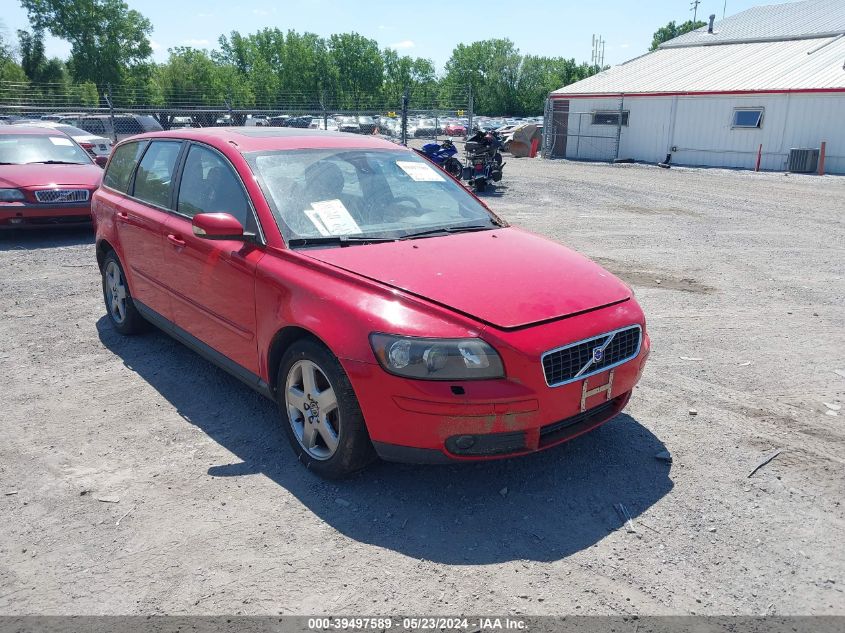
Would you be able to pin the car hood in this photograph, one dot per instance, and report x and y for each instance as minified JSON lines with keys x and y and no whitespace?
{"x":43,"y":176}
{"x":507,"y":278}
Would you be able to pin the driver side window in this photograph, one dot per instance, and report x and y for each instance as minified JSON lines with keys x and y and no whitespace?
{"x":210,"y":186}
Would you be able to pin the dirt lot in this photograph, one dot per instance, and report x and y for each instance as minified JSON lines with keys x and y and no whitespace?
{"x":137,"y":478}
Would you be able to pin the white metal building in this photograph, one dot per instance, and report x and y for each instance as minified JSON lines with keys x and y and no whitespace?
{"x":771,"y":76}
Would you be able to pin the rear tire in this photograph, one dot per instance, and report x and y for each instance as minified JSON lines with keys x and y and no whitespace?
{"x":320,"y":412}
{"x":123,"y":314}
{"x":454,"y":167}
{"x":480,"y":185}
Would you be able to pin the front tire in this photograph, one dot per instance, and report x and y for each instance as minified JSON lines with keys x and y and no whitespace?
{"x":123,"y":314}
{"x":320,"y":412}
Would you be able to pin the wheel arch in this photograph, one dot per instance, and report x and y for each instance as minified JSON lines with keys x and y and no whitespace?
{"x":103,"y":249}
{"x":280,"y":342}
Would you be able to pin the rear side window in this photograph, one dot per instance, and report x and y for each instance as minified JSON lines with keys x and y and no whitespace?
{"x":122,"y":163}
{"x":154,"y":180}
{"x":127,"y":125}
{"x":209,"y":185}
{"x":93,"y":126}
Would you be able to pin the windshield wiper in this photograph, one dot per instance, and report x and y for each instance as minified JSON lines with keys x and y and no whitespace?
{"x":450,"y":229}
{"x":52,"y":162}
{"x":340,"y":240}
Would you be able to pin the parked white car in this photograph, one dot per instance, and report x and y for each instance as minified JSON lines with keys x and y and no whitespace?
{"x":91,"y":143}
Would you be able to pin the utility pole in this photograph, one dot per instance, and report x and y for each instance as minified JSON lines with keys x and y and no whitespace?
{"x":694,"y":8}
{"x":108,"y":96}
{"x":598,"y":51}
{"x":471,"y":106}
{"x":405,"y":98}
{"x":724,"y":9}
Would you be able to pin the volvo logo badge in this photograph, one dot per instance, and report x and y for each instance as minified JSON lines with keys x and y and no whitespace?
{"x":598,"y":354}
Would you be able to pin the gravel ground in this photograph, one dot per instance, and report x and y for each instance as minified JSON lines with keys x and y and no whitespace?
{"x":136,"y":478}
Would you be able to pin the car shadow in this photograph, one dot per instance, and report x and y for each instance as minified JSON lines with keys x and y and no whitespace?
{"x":542,"y":507}
{"x":493,"y":191}
{"x":45,"y":237}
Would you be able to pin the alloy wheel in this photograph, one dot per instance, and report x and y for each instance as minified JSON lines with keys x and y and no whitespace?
{"x":312,"y":409}
{"x":115,"y":292}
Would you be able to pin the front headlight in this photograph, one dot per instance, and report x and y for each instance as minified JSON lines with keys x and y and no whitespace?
{"x":11,"y":195}
{"x":437,"y":358}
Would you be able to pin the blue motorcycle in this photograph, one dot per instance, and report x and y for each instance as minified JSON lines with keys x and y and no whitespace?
{"x":443,"y":154}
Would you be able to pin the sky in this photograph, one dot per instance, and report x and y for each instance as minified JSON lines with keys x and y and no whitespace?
{"x":429,"y":29}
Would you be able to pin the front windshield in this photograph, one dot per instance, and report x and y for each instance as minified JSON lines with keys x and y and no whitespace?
{"x":380,"y":194}
{"x":22,"y":149}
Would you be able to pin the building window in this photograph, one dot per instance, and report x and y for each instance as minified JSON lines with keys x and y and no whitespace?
{"x":610,"y":117}
{"x":748,"y":118}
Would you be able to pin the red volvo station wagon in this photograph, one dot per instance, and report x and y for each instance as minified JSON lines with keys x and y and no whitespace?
{"x":46,"y":178}
{"x":384,"y":308}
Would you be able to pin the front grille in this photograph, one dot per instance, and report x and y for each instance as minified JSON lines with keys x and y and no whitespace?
{"x":62,"y":195}
{"x":557,"y":431}
{"x":576,"y":361}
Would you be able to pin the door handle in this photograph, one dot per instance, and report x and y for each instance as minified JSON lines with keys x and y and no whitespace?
{"x":122,"y":215}
{"x":175,"y":240}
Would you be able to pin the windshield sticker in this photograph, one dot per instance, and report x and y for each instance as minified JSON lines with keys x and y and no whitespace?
{"x":419,"y":172}
{"x":331,"y":218}
{"x":57,"y":140}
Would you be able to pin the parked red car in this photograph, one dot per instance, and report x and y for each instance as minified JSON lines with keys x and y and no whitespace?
{"x":455,"y":129}
{"x":45,"y":178}
{"x":382,"y":306}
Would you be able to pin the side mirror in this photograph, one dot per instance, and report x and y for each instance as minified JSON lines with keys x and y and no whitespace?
{"x":217,"y":226}
{"x":101,"y":161}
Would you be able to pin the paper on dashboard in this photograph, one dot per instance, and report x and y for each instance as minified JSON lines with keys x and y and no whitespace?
{"x":330,"y":217}
{"x":419,"y":172}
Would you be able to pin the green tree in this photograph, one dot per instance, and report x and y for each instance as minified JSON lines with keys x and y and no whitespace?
{"x":10,"y":71}
{"x":191,"y":77}
{"x":87,"y":94}
{"x":292,"y":68}
{"x":359,"y":67}
{"x":35,"y":64}
{"x":107,"y":37}
{"x":671,"y":31}
{"x":414,"y":73}
{"x":492,"y":68}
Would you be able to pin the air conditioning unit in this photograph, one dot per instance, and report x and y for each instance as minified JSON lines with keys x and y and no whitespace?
{"x":803,"y":161}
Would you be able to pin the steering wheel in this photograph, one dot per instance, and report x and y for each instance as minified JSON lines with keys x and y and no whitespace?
{"x":403,"y":200}
{"x":413,"y":201}
{"x":381,"y":202}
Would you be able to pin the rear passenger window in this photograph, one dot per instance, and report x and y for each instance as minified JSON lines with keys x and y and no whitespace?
{"x":210,"y":186}
{"x":120,"y":168}
{"x":127,"y":125}
{"x":154,"y":180}
{"x":94,"y":126}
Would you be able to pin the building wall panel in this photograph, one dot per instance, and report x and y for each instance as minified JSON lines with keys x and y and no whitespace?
{"x":700,"y":129}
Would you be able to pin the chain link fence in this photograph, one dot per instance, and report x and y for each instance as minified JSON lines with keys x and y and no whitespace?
{"x":115,"y":113}
{"x":580,"y":129}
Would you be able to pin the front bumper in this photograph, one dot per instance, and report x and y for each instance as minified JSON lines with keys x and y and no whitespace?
{"x":464,"y":447}
{"x":22,"y":215}
{"x":430,"y":422}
